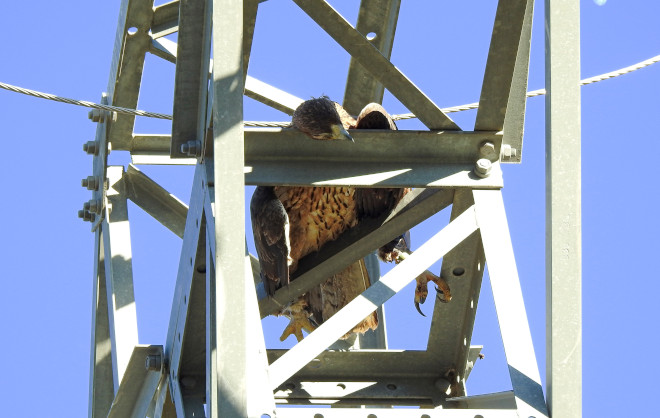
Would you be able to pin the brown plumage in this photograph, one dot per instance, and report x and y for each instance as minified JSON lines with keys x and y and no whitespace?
{"x":270,"y":227}
{"x":317,"y":215}
{"x":322,"y":119}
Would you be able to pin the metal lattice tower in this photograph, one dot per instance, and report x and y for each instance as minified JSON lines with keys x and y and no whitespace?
{"x":461,"y":168}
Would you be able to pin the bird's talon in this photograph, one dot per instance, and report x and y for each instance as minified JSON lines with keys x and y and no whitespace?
{"x":419,"y":309}
{"x":443,"y":294}
{"x":441,"y":298}
{"x":298,"y":323}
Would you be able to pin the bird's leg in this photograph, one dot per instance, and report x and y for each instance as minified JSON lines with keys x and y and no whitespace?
{"x":421,"y":290}
{"x":299,"y":321}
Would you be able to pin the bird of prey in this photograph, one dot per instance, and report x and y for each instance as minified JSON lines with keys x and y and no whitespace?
{"x":290,"y":222}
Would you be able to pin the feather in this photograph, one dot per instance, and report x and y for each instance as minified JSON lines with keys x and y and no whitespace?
{"x":270,"y":227}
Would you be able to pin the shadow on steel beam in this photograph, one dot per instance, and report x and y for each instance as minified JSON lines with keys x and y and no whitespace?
{"x":528,"y":390}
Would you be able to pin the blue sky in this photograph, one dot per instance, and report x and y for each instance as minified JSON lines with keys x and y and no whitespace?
{"x":47,"y":252}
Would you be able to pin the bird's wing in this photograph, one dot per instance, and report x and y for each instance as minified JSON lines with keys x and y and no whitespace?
{"x":346,"y":120}
{"x":270,"y":226}
{"x":376,"y":202}
{"x":372,"y":203}
{"x":340,"y":289}
{"x":374,"y":116}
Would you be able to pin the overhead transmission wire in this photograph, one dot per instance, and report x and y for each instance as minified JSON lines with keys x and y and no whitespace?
{"x":136,"y":112}
{"x":84,"y":103}
{"x":541,"y":92}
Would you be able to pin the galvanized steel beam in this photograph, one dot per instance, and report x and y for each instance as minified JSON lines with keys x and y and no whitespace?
{"x":286,"y":144}
{"x":188,"y":357}
{"x":378,"y":18}
{"x":516,"y":337}
{"x":271,"y":96}
{"x":380,"y":67}
{"x":373,"y":392}
{"x":132,"y":41}
{"x":498,"y":77}
{"x":154,"y":149}
{"x":101,"y":381}
{"x":190,"y":80}
{"x":155,"y":200}
{"x":498,"y":400}
{"x":563,"y":209}
{"x":451,"y":327}
{"x":193,"y":255}
{"x":164,"y":407}
{"x":260,"y":398}
{"x":393,"y":413}
{"x":163,"y":48}
{"x":137,"y":389}
{"x":250,"y":8}
{"x":374,"y":175}
{"x":151,"y":144}
{"x":165,"y":20}
{"x":259,"y":395}
{"x":437,"y":147}
{"x":99,"y":149}
{"x":423,"y":159}
{"x":370,"y":364}
{"x":122,"y":315}
{"x":514,"y":120}
{"x":226,"y":297}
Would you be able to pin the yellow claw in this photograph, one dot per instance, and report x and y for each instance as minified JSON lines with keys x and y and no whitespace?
{"x":298,"y":323}
{"x":421,"y":291}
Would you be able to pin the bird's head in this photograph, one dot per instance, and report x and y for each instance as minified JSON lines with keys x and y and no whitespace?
{"x":319,"y":119}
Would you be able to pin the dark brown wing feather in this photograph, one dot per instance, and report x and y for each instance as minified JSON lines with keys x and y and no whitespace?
{"x":374,"y":116}
{"x":270,"y":227}
{"x":372,"y":203}
{"x":375,"y":202}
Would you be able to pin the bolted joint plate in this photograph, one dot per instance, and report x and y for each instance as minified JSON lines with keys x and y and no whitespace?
{"x":99,"y":115}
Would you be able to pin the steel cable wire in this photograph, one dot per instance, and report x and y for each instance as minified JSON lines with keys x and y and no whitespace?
{"x":136,"y":112}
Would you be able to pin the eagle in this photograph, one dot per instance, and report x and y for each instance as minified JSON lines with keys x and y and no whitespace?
{"x":290,"y":222}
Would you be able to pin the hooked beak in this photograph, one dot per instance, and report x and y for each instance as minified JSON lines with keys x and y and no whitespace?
{"x":338,"y":132}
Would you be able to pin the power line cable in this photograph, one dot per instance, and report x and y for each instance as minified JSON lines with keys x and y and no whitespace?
{"x":541,"y":92}
{"x":453,"y":109}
